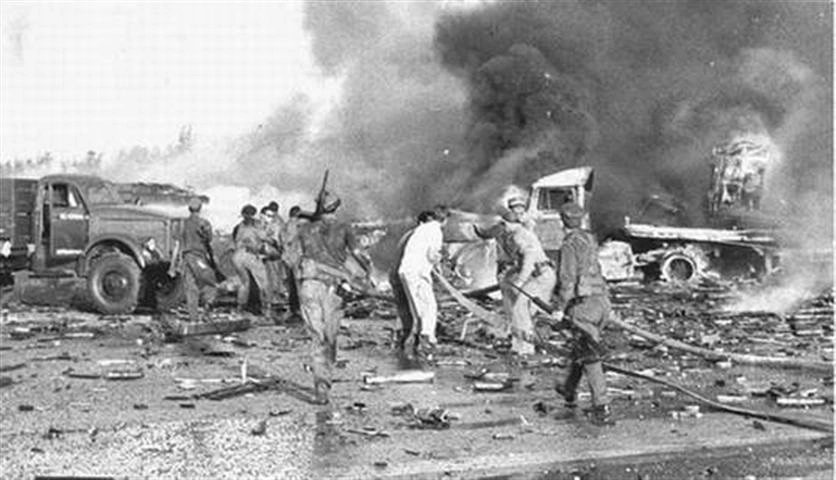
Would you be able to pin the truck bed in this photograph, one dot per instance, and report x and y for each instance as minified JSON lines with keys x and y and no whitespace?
{"x":17,"y":204}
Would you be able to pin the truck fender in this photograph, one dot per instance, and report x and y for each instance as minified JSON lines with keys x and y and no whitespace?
{"x":122,"y":243}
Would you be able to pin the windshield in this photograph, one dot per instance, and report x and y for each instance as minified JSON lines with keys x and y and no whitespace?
{"x":102,"y":192}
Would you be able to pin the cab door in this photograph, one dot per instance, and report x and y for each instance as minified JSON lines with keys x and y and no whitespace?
{"x":68,"y":222}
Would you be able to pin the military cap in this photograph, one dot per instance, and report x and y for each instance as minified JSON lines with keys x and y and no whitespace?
{"x":272,"y":206}
{"x":248,"y":210}
{"x":195,"y":204}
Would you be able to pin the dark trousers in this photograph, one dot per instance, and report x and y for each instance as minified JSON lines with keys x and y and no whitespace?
{"x":593,"y":312}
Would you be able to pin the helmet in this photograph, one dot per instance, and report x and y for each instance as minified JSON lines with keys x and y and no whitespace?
{"x":516,"y":201}
{"x":248,"y":210}
{"x":195,"y":204}
{"x":572,"y":214}
{"x":272,"y":206}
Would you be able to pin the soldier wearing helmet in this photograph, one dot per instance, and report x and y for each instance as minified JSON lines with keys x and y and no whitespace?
{"x":249,"y":242}
{"x":330,"y":260}
{"x":527,"y":267}
{"x":583,"y":298}
{"x":196,"y":250}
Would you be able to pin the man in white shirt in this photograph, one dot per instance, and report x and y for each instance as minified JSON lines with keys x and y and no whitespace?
{"x":421,"y":253}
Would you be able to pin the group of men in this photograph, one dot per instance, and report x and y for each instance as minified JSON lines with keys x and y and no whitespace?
{"x":322,"y":259}
{"x":263,"y":255}
{"x":529,"y":275}
{"x":313,"y":256}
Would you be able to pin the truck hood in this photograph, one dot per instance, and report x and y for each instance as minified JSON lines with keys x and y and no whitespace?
{"x":127,"y":211}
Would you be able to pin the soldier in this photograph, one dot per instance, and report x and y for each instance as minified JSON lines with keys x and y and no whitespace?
{"x":418,"y":250}
{"x":199,"y":276}
{"x":273,"y":225}
{"x":529,"y":268}
{"x":291,"y":255}
{"x":582,"y":297}
{"x":326,"y":244}
{"x":249,"y":243}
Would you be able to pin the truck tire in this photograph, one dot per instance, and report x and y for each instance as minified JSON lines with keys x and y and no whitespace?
{"x":679,"y":267}
{"x":114,"y":282}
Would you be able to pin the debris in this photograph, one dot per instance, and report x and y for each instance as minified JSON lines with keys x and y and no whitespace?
{"x":368,"y":431}
{"x":431,"y":418}
{"x":280,"y":413}
{"x":140,"y":406}
{"x":814,"y":424}
{"x":6,"y":381}
{"x":14,"y":366}
{"x":187,"y":405}
{"x":491,"y":386}
{"x":25,"y":408}
{"x":405,"y":376}
{"x":731,"y":398}
{"x":758,"y":425}
{"x":745,"y":359}
{"x":259,"y":429}
{"x":215,"y":327}
{"x":124,"y":375}
{"x":798,"y":402}
{"x":503,"y":436}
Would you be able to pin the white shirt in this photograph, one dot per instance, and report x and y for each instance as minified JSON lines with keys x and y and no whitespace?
{"x":422,"y":249}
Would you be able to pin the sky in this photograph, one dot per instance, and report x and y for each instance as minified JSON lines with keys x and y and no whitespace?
{"x":79,"y":76}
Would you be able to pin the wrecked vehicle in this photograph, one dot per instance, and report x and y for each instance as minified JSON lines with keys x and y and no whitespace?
{"x":738,"y":239}
{"x":78,"y":226}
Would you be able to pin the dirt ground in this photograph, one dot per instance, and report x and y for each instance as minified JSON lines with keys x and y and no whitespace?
{"x":60,"y":414}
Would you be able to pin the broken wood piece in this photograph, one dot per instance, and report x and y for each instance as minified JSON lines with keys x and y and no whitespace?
{"x":405,"y":376}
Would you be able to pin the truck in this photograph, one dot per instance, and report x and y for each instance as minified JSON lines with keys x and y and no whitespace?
{"x":737,"y":239}
{"x":79,"y":226}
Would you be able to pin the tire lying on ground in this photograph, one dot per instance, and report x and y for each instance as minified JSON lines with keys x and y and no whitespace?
{"x":113,"y":283}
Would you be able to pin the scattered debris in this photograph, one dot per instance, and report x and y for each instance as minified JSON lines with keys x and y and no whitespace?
{"x":260,"y":428}
{"x":405,"y":376}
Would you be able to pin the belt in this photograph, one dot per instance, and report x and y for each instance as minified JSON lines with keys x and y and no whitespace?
{"x":544,"y":263}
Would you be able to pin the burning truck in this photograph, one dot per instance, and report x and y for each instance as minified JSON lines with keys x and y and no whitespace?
{"x":737,"y":241}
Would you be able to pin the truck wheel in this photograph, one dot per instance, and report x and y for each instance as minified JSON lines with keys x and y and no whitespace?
{"x":679,"y":267}
{"x":114,"y":282}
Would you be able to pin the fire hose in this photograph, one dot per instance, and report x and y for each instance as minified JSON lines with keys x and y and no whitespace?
{"x":493,"y":319}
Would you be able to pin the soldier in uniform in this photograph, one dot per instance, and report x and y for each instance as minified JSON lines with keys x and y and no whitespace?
{"x":583,"y":301}
{"x":273,"y":226}
{"x":249,"y":244}
{"x":199,"y":276}
{"x":528,"y":268}
{"x":291,"y":255}
{"x":326,"y":245}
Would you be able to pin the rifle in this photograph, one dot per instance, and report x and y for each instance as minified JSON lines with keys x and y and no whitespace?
{"x":219,"y":276}
{"x":587,"y":331}
{"x":320,"y":197}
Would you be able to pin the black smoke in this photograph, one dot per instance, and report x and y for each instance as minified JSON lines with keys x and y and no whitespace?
{"x":643,"y":91}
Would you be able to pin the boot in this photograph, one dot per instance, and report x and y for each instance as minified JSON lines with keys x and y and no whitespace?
{"x":570,"y":398}
{"x":601,"y":416}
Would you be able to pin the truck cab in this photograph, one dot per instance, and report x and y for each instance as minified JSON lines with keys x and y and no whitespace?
{"x":79,"y":225}
{"x":549,"y":193}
